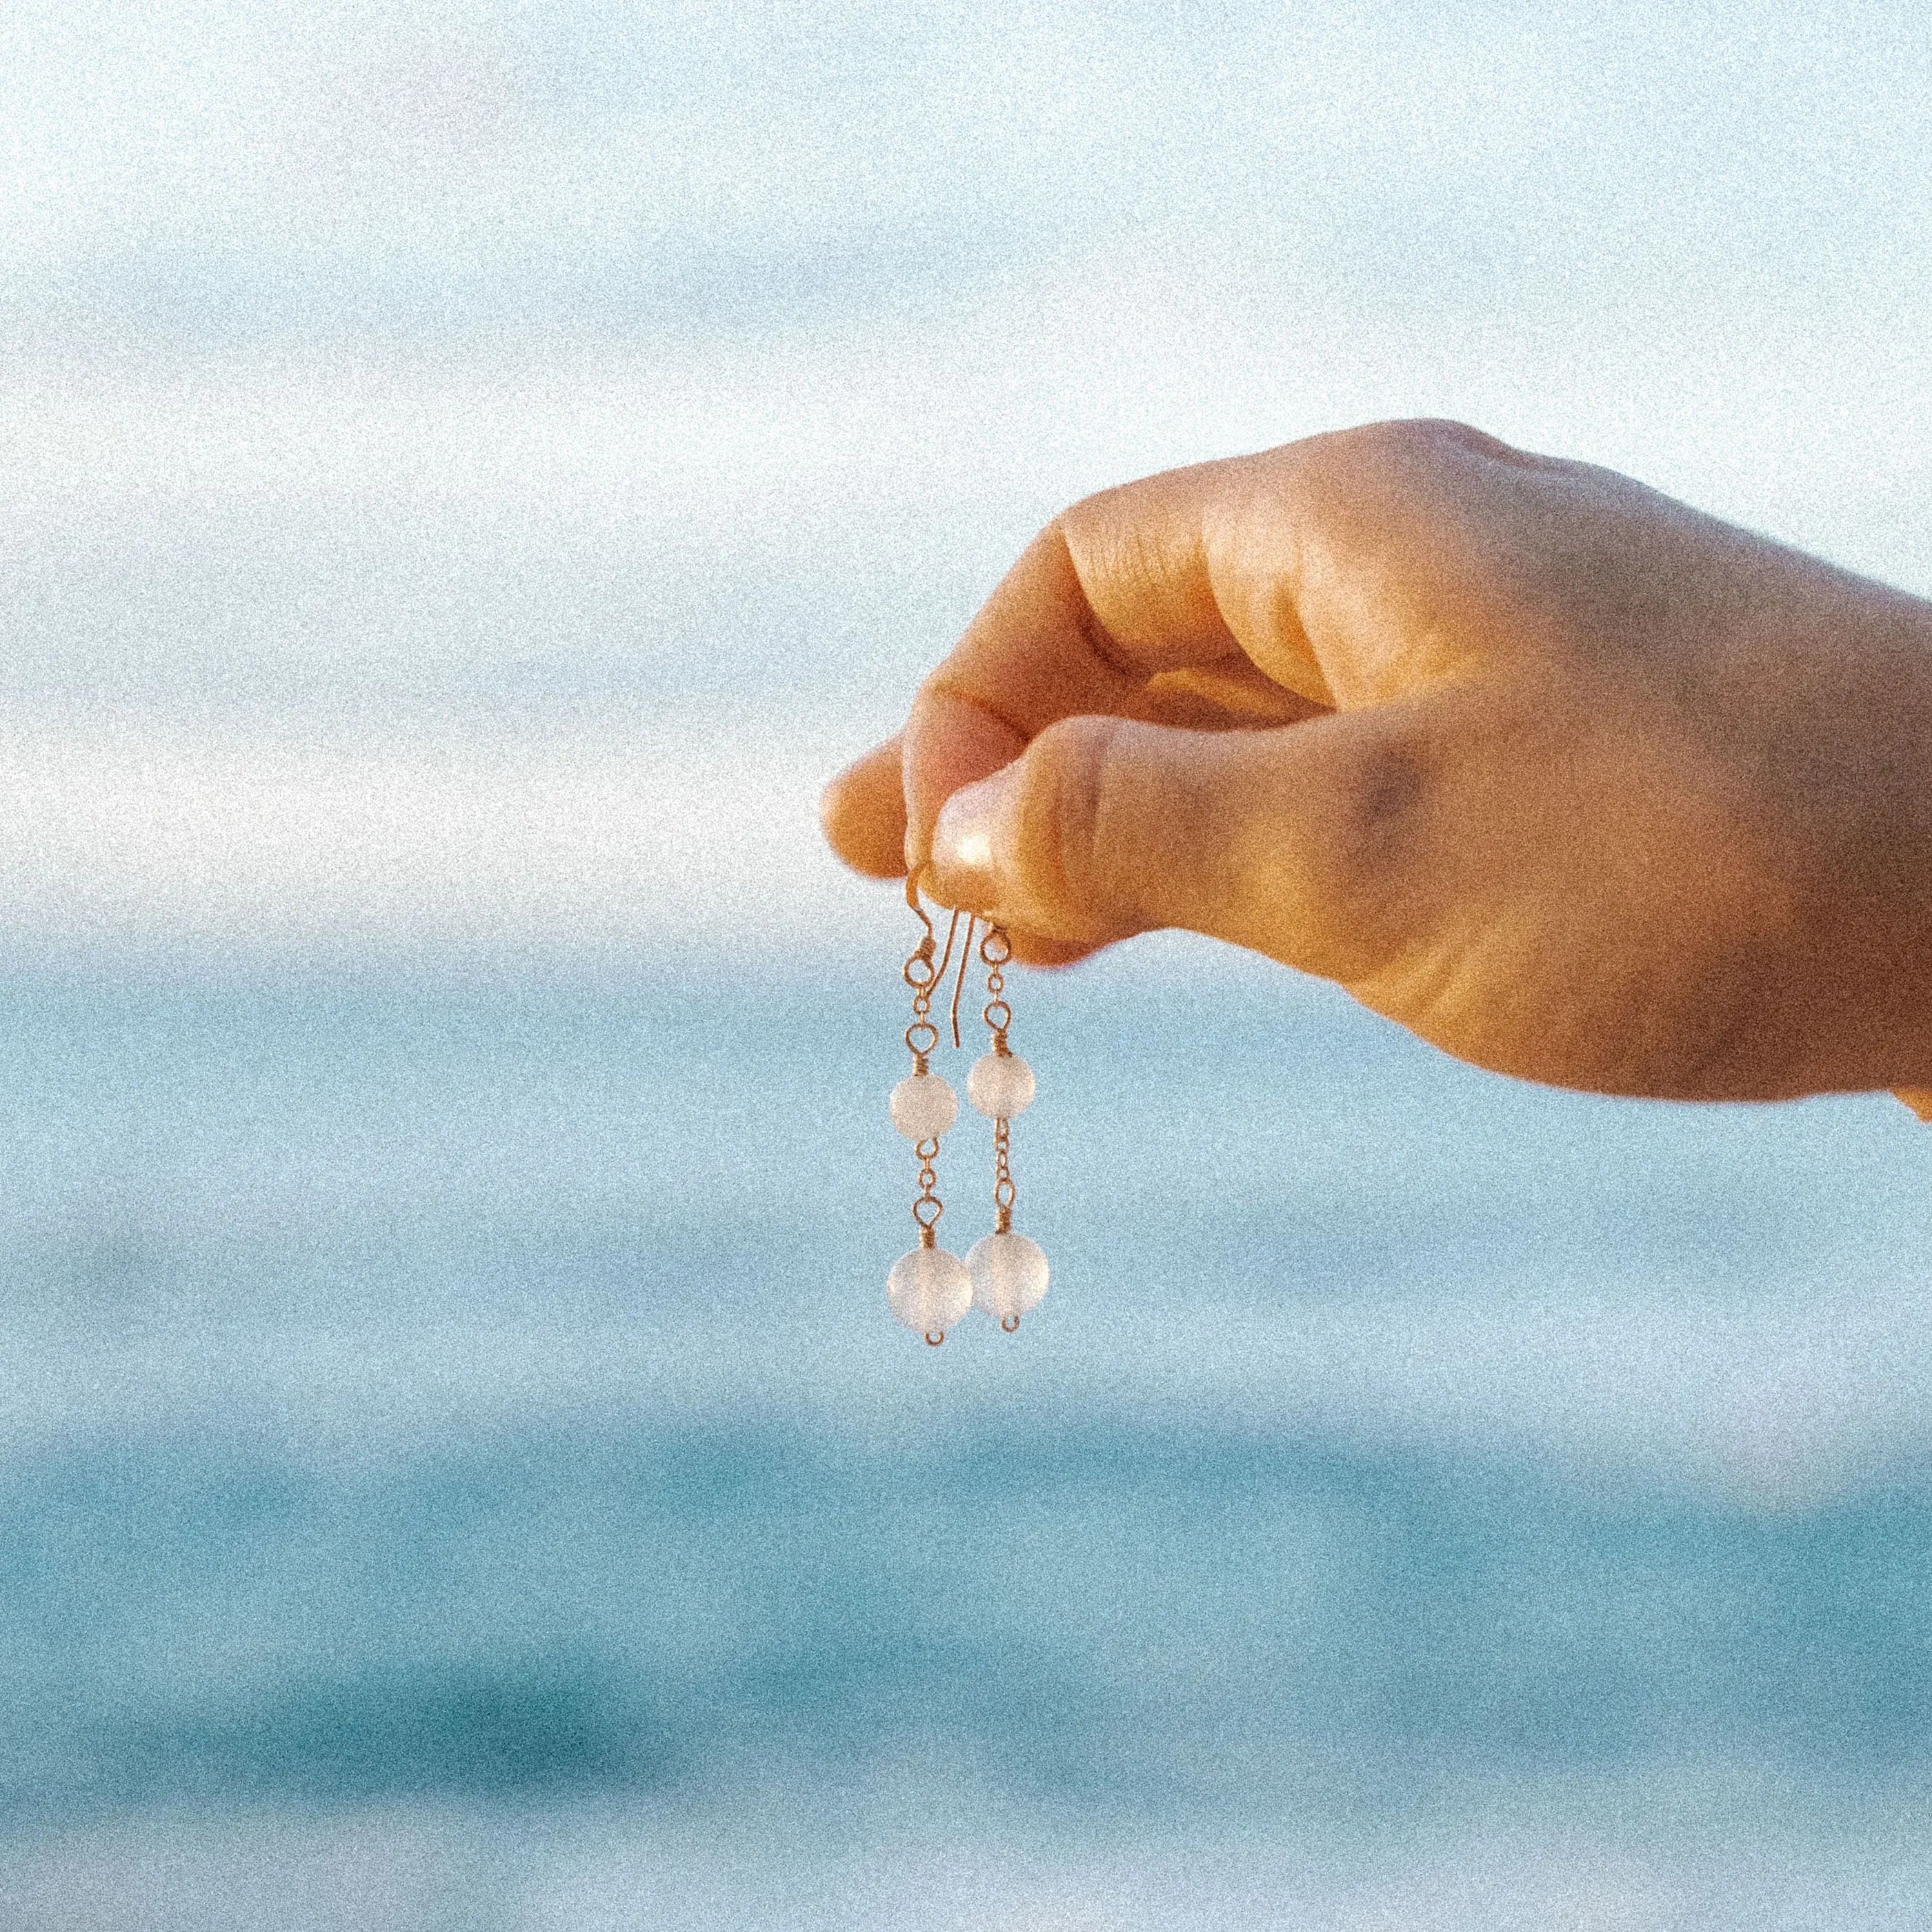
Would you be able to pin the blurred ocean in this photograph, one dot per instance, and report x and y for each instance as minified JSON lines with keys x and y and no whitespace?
{"x":459,"y":1471}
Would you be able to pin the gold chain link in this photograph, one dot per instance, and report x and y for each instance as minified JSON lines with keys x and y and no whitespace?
{"x":996,"y":949}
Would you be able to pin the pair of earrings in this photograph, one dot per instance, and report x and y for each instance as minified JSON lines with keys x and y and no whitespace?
{"x":1004,"y":1274}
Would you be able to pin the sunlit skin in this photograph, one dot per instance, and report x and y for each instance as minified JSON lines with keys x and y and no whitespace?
{"x":1577,"y":783}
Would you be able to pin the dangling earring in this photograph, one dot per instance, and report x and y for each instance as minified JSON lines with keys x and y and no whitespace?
{"x":1009,"y":1272}
{"x":928,"y":1289}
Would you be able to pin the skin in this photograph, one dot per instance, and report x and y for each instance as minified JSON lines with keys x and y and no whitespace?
{"x":1574,"y":782}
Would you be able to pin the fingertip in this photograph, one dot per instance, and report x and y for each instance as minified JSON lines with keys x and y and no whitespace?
{"x":964,"y":837}
{"x":862,"y":813}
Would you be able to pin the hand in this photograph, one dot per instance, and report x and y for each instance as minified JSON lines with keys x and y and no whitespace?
{"x":1577,"y":783}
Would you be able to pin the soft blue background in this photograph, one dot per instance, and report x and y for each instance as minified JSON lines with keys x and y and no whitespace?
{"x":466,"y":477}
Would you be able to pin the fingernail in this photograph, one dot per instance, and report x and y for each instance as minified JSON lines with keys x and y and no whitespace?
{"x":966,"y":837}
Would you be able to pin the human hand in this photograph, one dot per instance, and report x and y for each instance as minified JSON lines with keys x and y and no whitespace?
{"x":1577,"y":783}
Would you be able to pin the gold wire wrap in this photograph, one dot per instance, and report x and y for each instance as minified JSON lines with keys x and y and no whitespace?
{"x":919,"y":973}
{"x":959,"y":985}
{"x":922,"y":975}
{"x":995,"y":950}
{"x":927,"y":1209}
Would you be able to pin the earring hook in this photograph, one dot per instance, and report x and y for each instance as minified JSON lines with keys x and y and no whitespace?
{"x":912,"y":900}
{"x":959,"y":984}
{"x":931,"y":945}
{"x":951,"y":939}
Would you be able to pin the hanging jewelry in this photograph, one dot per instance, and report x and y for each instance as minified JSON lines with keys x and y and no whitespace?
{"x":928,"y":1288}
{"x":1009,"y":1272}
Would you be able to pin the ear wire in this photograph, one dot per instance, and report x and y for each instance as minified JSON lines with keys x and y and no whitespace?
{"x":965,"y":954}
{"x":930,"y":946}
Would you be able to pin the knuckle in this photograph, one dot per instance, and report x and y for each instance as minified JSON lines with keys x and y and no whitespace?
{"x":1368,"y":838}
{"x":1385,"y":453}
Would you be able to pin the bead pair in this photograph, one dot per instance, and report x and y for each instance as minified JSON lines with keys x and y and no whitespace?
{"x":1004,"y":1274}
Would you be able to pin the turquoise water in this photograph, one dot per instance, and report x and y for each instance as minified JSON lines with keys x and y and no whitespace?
{"x":456,"y":1468}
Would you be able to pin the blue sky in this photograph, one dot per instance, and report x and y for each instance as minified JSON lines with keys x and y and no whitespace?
{"x":437,"y":446}
{"x":185,"y":177}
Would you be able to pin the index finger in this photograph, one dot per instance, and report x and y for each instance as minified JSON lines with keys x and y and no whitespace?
{"x":1125,"y":587}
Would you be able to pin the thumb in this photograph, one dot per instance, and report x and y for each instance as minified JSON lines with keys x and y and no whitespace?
{"x":1291,"y":841}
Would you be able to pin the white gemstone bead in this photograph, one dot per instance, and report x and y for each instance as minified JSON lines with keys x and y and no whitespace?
{"x":1009,"y":1273}
{"x":1000,"y":1085}
{"x":929,"y":1289}
{"x":923,"y":1106}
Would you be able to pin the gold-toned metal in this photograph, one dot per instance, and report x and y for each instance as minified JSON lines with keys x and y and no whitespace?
{"x":946,"y":958}
{"x":927,"y":1208}
{"x":912,"y":900}
{"x":924,"y":971}
{"x":959,"y":985}
{"x":922,"y":974}
{"x":995,"y":950}
{"x":919,"y":973}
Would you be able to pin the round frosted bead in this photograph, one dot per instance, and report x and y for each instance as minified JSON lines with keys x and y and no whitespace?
{"x":929,"y":1289}
{"x":1009,"y":1275}
{"x":923,"y":1106}
{"x":1000,"y":1085}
